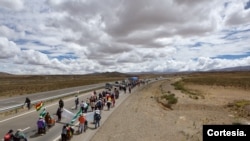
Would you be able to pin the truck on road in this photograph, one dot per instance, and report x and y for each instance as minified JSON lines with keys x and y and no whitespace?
{"x":108,"y":86}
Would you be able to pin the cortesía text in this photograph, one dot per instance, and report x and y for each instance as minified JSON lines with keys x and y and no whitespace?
{"x":237,"y":132}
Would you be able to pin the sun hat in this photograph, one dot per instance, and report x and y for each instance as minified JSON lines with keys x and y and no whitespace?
{"x":97,"y":111}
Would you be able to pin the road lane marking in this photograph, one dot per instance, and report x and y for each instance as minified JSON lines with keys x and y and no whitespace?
{"x":16,"y":116}
{"x":56,"y":139}
{"x":31,"y":111}
{"x":50,"y":105}
{"x":25,"y":129}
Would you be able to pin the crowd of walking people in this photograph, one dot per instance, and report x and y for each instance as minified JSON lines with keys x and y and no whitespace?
{"x":96,"y":102}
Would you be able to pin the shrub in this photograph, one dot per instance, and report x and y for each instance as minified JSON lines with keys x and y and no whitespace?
{"x":170,"y":98}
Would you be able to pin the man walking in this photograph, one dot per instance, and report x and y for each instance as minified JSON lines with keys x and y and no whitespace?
{"x":27,"y":101}
{"x":59,"y":113}
{"x":97,"y":118}
{"x":82,"y":120}
{"x":76,"y":102}
{"x":61,"y":103}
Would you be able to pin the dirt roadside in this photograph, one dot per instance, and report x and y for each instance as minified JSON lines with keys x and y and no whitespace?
{"x":141,"y":118}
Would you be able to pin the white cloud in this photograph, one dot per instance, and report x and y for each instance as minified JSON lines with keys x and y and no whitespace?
{"x":6,"y":32}
{"x":8,"y":48}
{"x":34,"y":57}
{"x":237,"y":15}
{"x":12,"y":4}
{"x":84,"y":36}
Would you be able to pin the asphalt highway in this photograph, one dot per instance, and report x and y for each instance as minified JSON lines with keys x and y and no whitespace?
{"x":26,"y":121}
{"x":7,"y":103}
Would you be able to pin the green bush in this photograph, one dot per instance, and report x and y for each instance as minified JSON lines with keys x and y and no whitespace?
{"x":170,"y":98}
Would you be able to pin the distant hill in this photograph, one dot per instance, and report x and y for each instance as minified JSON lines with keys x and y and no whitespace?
{"x":113,"y":74}
{"x":239,"y":68}
{"x":129,"y":74}
{"x":4,"y":74}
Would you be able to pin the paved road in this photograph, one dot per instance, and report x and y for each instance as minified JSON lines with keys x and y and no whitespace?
{"x":105,"y":114}
{"x":19,"y":100}
{"x":27,"y":120}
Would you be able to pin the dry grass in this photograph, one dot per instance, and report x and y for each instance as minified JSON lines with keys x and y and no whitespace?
{"x":236,"y":80}
{"x":239,"y":80}
{"x":12,"y":85}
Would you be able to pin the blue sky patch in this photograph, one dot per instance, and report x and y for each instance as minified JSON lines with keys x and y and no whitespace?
{"x":25,"y":41}
{"x":226,"y":4}
{"x":231,"y":34}
{"x":21,"y":41}
{"x":45,"y":51}
{"x":247,"y":6}
{"x":199,"y":44}
{"x":67,"y":56}
{"x":231,"y":57}
{"x":38,"y":43}
{"x":28,"y":33}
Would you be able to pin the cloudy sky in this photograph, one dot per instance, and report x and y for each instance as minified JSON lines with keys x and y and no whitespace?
{"x":86,"y":36}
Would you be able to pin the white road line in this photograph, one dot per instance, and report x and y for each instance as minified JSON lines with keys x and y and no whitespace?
{"x":31,"y":111}
{"x":25,"y":128}
{"x":56,"y":139}
{"x":16,"y":116}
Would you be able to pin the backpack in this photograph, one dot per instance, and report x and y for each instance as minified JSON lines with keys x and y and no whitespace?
{"x":99,"y":104}
{"x":98,"y":117}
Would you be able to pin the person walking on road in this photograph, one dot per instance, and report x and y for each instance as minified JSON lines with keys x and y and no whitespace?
{"x":98,"y":104}
{"x":76,"y":102}
{"x":97,"y":118}
{"x":82,"y":106}
{"x":88,"y":102}
{"x":82,"y":123}
{"x":64,"y":133}
{"x":9,"y":136}
{"x":109,"y":102}
{"x":20,"y":135}
{"x":92,"y":103}
{"x":61,"y":103}
{"x":59,"y":113}
{"x":41,"y":125}
{"x":27,"y":101}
